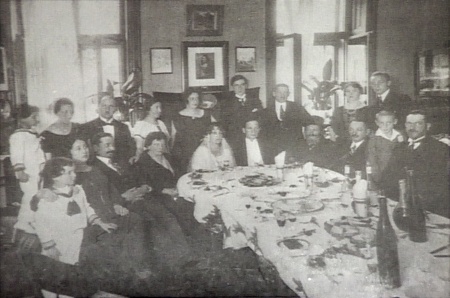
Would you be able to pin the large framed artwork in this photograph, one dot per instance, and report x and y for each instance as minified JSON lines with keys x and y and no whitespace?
{"x":161,"y":60}
{"x":3,"y":70}
{"x":204,"y":20}
{"x":206,"y":65}
{"x":432,"y":74}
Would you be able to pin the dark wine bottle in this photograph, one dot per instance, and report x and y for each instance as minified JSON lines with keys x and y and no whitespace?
{"x":387,"y":251}
{"x":417,"y":221}
{"x":401,"y":211}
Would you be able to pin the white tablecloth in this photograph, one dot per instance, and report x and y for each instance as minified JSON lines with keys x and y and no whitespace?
{"x":345,"y":276}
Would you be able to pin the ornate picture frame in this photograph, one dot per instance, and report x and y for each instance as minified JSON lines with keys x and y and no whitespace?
{"x":206,"y":65}
{"x":204,"y":20}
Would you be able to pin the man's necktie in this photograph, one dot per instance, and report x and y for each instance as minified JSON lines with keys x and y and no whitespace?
{"x":242,"y":100}
{"x":413,"y":145}
{"x":353,"y":149}
{"x":282,"y":113}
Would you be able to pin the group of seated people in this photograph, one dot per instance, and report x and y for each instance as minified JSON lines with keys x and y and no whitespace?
{"x":106,"y":195}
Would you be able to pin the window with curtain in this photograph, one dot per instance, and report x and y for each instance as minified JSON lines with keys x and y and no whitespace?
{"x":101,"y":39}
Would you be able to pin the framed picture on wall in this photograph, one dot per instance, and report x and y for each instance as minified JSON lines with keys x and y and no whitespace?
{"x":204,"y":20}
{"x":161,"y":60}
{"x":245,"y":59}
{"x":206,"y":65}
{"x":3,"y":70}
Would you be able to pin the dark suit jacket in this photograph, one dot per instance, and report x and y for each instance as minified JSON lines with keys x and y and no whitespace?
{"x":125,"y":145}
{"x":155,"y":175}
{"x":240,"y":151}
{"x":429,"y":161}
{"x":322,"y":155}
{"x":288,"y":132}
{"x":357,"y":160}
{"x":395,"y":102}
{"x":234,"y":114}
{"x":122,"y":181}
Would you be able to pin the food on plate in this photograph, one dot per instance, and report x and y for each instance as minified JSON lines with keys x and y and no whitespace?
{"x":258,"y":180}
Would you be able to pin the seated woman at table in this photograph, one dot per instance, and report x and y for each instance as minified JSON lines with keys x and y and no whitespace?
{"x":214,"y":152}
{"x":342,"y":116}
{"x":156,"y":170}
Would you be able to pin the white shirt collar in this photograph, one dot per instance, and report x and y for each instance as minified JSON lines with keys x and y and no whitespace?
{"x":357,"y":144}
{"x":415,"y":143}
{"x":107,"y":161}
{"x":395,"y":134}
{"x":240,"y":96}
{"x":107,"y":121}
{"x":383,"y":95}
{"x":278,"y":106}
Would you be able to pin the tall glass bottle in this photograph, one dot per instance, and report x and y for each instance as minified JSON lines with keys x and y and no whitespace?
{"x":417,"y":221}
{"x":387,"y":251}
{"x":371,"y":189}
{"x":401,"y":211}
{"x":346,"y":190}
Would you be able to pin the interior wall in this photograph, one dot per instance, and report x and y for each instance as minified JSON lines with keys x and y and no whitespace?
{"x":163,"y":25}
{"x":403,"y":29}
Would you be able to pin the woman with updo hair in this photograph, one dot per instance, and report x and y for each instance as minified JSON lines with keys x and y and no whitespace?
{"x":150,"y":123}
{"x":191,"y":125}
{"x":353,"y":108}
{"x":59,"y":136}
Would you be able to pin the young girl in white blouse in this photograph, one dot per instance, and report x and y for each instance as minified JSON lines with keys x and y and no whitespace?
{"x":62,"y":213}
{"x":27,"y":159}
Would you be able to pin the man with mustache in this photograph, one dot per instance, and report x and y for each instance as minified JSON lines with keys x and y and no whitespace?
{"x":428,"y":158}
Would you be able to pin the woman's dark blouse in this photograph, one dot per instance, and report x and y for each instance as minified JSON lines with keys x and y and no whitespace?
{"x":155,"y":175}
{"x":190,"y":132}
{"x":59,"y":145}
{"x":342,"y":117}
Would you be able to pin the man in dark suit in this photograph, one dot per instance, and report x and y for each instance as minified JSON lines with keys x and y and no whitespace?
{"x":315,"y":148}
{"x":124,"y":143}
{"x":353,"y":153}
{"x":284,"y":121}
{"x":428,"y":158}
{"x":387,"y":99}
{"x":251,"y":150}
{"x":239,"y":106}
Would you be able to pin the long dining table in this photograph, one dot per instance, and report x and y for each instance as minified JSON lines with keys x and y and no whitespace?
{"x":297,"y":223}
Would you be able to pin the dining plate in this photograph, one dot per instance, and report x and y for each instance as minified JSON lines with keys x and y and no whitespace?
{"x":298,"y":206}
{"x":295,"y":246}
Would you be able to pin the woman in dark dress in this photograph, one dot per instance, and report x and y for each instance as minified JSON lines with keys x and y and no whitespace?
{"x":191,"y":125}
{"x":59,"y":136}
{"x":352,"y":109}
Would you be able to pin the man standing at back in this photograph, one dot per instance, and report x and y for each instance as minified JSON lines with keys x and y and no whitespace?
{"x":284,"y":120}
{"x":239,"y":107}
{"x":387,"y":99}
{"x":123,"y":142}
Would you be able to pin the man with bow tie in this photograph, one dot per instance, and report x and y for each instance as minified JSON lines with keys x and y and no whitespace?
{"x":284,"y":120}
{"x":428,"y":158}
{"x":239,"y":106}
{"x":387,"y":99}
{"x":123,"y":142}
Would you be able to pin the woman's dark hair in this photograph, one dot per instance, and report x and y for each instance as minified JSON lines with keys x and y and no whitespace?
{"x":355,"y":85}
{"x":61,"y":102}
{"x":214,"y":125}
{"x":149,"y":101}
{"x":25,"y":111}
{"x":156,"y":135}
{"x":54,"y":168}
{"x":189,"y":92}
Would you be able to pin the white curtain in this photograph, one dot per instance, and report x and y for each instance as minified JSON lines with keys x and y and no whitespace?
{"x":52,"y":59}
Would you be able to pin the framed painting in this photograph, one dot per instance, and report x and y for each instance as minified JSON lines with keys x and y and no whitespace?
{"x":206,"y":65}
{"x":161,"y":60}
{"x":3,"y":70}
{"x":245,"y":59}
{"x":204,"y":20}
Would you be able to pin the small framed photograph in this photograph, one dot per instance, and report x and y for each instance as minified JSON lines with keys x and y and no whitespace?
{"x":204,"y":20}
{"x":245,"y":59}
{"x":206,"y":65}
{"x":161,"y":60}
{"x":3,"y":70}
